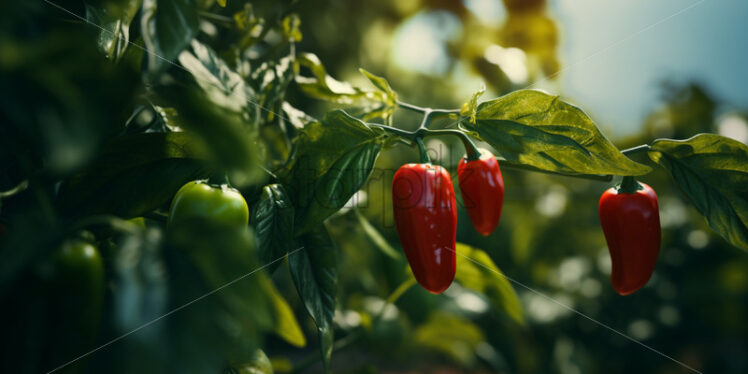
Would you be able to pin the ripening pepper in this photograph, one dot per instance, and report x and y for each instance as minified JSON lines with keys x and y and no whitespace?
{"x":426,"y":219}
{"x":631,"y":222}
{"x":482,"y":189}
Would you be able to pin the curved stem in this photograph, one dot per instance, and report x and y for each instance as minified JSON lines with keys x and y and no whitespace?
{"x":425,"y":159}
{"x":433,"y":112}
{"x":472,"y":151}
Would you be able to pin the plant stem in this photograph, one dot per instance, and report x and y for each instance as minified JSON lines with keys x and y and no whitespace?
{"x":472,"y":151}
{"x":637,"y":149}
{"x":433,"y":112}
{"x":425,"y":159}
{"x":629,"y":185}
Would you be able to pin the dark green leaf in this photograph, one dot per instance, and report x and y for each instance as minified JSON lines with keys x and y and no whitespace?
{"x":537,"y":129}
{"x":230,"y":144}
{"x":167,"y":27}
{"x":333,"y":159}
{"x":216,"y":266}
{"x":114,"y":18}
{"x":713,"y":172}
{"x":476,"y":271}
{"x":128,"y":183}
{"x":222,"y":86}
{"x":314,"y":269}
{"x":273,"y":219}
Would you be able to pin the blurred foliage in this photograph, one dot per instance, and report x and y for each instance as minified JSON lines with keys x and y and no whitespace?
{"x":98,"y":134}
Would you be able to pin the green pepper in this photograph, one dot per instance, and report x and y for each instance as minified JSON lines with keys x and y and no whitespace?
{"x":220,"y":204}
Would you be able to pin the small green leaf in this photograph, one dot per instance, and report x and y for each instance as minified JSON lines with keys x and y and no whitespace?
{"x":114,"y":18}
{"x":291,"y":28}
{"x":333,"y":159}
{"x":167,"y":27}
{"x":476,"y":271}
{"x":273,"y":219}
{"x":537,"y":129}
{"x":298,"y":118}
{"x":380,"y":83}
{"x":314,"y":270}
{"x":712,"y":171}
{"x":470,"y":108}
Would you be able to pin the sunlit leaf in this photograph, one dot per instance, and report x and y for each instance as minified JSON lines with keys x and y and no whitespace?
{"x":114,"y":17}
{"x":333,"y":159}
{"x":537,"y":129}
{"x":712,"y":171}
{"x":452,"y":335}
{"x":476,"y":271}
{"x":286,"y":325}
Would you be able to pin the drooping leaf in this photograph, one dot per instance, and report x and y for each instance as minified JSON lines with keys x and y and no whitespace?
{"x":314,"y":270}
{"x":273,"y":219}
{"x":167,"y":27}
{"x":382,"y":85}
{"x":333,"y":159}
{"x":286,"y":325}
{"x":712,"y":171}
{"x":114,"y":18}
{"x":476,"y":271}
{"x":128,"y":183}
{"x":538,"y":129}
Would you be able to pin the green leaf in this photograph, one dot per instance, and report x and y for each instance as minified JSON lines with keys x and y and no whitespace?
{"x":273,"y":219}
{"x":382,"y":85}
{"x":297,"y":117}
{"x":537,"y":129}
{"x":230,"y":144}
{"x":455,"y":336}
{"x":216,"y":265}
{"x":128,"y":183}
{"x":476,"y":271}
{"x":333,"y":159}
{"x":167,"y":27}
{"x":314,"y":270}
{"x":114,"y":18}
{"x":286,"y":325}
{"x":222,"y":86}
{"x":325,"y":87}
{"x":291,"y":28}
{"x":470,"y":108}
{"x":712,"y":171}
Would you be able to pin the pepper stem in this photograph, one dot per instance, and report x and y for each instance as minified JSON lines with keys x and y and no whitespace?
{"x":629,"y":185}
{"x":425,"y":159}
{"x":219,"y":179}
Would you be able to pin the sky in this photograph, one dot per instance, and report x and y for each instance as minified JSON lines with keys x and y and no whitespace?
{"x":615,"y":53}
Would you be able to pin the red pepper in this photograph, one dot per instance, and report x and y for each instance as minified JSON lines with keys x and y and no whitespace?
{"x":426,"y":220}
{"x":631,"y":222}
{"x":482,"y":190}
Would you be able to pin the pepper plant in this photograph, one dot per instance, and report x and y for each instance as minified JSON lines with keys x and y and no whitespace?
{"x":204,"y":90}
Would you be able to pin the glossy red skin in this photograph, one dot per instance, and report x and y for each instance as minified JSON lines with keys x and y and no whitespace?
{"x":426,"y":219}
{"x":482,"y":189}
{"x":631,"y":223}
